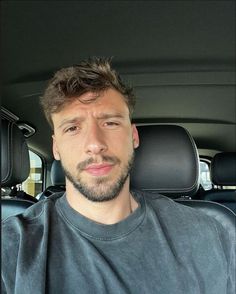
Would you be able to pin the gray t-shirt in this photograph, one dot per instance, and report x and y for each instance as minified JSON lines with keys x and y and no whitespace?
{"x":163,"y":247}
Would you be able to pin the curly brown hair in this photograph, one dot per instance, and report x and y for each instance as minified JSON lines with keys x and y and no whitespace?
{"x":92,"y":75}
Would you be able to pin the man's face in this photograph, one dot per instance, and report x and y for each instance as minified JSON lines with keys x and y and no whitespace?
{"x":95,"y":141}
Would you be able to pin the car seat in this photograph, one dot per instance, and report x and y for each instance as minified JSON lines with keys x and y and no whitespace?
{"x":57,"y":179}
{"x":15,"y":167}
{"x":167,"y":162}
{"x":223,"y":173}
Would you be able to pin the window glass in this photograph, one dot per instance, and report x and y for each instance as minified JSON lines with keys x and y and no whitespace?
{"x":205,"y":179}
{"x":33,"y":184}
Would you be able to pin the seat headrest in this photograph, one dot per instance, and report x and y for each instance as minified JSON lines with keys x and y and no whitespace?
{"x":223,"y":169}
{"x":57,"y":174}
{"x":166,"y":161}
{"x":15,"y":164}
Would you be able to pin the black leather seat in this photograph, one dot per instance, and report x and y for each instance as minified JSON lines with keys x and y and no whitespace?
{"x":15,"y":167}
{"x":167,"y":162}
{"x":223,"y":173}
{"x":57,"y":179}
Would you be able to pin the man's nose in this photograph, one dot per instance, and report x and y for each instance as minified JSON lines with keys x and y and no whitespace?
{"x":95,"y":140}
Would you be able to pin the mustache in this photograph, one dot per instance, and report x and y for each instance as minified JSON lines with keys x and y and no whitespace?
{"x":104,"y":159}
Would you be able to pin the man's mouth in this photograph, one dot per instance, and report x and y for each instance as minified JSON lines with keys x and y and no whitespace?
{"x":99,"y":169}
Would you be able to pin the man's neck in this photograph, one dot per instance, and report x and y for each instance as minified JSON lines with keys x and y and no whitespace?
{"x":107,"y":212}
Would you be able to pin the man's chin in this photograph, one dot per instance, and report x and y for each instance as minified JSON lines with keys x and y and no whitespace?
{"x":101,"y":191}
{"x":98,"y":195}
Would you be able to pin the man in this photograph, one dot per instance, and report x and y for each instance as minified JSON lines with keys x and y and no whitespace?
{"x":100,"y":237}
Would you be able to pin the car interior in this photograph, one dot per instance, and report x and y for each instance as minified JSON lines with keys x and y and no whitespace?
{"x":180,"y":58}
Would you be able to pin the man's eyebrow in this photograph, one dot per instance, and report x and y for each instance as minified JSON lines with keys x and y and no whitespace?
{"x":110,"y":115}
{"x":79,"y":119}
{"x":69,"y":121}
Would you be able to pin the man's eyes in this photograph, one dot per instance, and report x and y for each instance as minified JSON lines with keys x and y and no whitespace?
{"x":106,"y":124}
{"x":72,"y":129}
{"x":111,"y":124}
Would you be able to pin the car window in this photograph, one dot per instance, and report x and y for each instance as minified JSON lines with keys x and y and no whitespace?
{"x":34,"y":183}
{"x":205,"y":179}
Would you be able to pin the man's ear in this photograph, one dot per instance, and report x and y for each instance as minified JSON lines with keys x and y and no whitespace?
{"x":135,"y":136}
{"x":55,"y":149}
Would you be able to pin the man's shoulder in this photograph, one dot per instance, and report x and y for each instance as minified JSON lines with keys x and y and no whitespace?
{"x":173,"y":212}
{"x":31,"y":215}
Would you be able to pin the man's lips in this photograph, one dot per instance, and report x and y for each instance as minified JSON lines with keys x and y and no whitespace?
{"x":98,"y":169}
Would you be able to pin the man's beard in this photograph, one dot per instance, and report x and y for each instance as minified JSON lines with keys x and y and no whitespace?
{"x":101,"y":190}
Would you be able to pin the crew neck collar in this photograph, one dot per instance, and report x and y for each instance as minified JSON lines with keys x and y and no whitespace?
{"x":96,"y":230}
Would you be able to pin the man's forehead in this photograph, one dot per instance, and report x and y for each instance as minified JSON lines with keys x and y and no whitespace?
{"x":94,"y":103}
{"x":89,"y":97}
{"x":108,"y":96}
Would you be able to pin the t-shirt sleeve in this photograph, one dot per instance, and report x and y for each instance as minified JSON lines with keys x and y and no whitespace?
{"x":228,"y":241}
{"x":3,"y":287}
{"x":231,"y":283}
